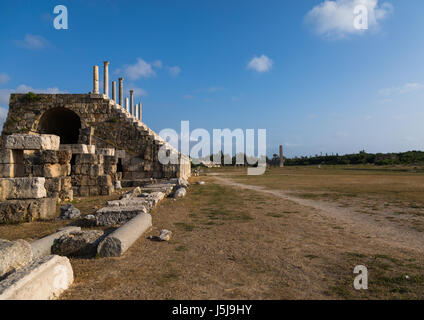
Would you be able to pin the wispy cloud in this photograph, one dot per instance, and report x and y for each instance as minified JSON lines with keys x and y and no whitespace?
{"x":335,"y":19}
{"x":174,"y":71}
{"x":32,"y":42}
{"x":4,"y":78}
{"x":404,"y":89}
{"x":138,"y":92}
{"x":144,"y":69}
{"x":260,"y":64}
{"x":188,"y":97}
{"x":141,"y":69}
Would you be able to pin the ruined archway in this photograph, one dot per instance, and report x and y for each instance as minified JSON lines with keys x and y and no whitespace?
{"x":62,"y":122}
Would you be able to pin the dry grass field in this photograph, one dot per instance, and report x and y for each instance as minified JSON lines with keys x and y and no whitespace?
{"x":293,"y":233}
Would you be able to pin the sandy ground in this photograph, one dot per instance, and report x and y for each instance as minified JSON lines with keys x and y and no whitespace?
{"x":263,"y":238}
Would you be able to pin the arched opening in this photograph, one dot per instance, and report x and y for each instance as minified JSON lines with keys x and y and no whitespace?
{"x":62,"y":122}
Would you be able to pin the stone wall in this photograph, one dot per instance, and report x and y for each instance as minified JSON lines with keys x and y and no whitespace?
{"x":101,"y":122}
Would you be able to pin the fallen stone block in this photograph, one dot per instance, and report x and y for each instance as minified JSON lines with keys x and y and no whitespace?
{"x":78,"y":244}
{"x":119,"y":241}
{"x":180,"y":193}
{"x":43,"y":279}
{"x":79,"y":148}
{"x":17,"y":211}
{"x":32,"y":142}
{"x":165,"y":235}
{"x":165,"y":188}
{"x":113,"y":216}
{"x":13,"y":255}
{"x":42,"y":247}
{"x":22,"y":188}
{"x":131,"y":194}
{"x":68,"y":211}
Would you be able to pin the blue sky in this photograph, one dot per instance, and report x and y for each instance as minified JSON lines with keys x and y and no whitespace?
{"x":296,"y":68}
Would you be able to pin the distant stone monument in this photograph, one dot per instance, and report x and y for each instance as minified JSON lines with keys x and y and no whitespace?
{"x":281,"y":157}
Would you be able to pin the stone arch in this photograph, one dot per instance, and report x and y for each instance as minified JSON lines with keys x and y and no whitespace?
{"x":62,"y":122}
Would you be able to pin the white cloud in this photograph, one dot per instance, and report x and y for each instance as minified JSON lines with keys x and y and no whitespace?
{"x":141,"y":69}
{"x":260,"y":64}
{"x":188,"y":97}
{"x":4,"y":78}
{"x":174,"y":71}
{"x":335,"y":18}
{"x":138,"y":92}
{"x":32,"y":42}
{"x":157,"y":64}
{"x":404,"y":89}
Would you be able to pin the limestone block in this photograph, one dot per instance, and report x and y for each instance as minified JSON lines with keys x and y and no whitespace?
{"x":106,"y":190}
{"x":94,"y":190}
{"x":53,"y":185}
{"x":11,"y":170}
{"x":11,"y":156}
{"x":78,"y":244}
{"x":180,"y":193}
{"x":43,"y":279}
{"x":88,"y":159}
{"x":119,"y":241}
{"x":32,"y":142}
{"x":22,"y":188}
{"x":106,"y":151}
{"x":110,"y":168}
{"x":68,"y":211}
{"x":13,"y":255}
{"x":79,"y":148}
{"x":66,"y":195}
{"x":83,"y":191}
{"x":42,"y":247}
{"x":112,"y":216}
{"x":120,"y":154}
{"x":16,"y":211}
{"x":104,"y":180}
{"x":53,"y":156}
{"x":110,"y":160}
{"x":56,"y":170}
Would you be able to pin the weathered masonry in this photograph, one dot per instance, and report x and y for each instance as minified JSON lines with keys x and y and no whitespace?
{"x":94,"y":119}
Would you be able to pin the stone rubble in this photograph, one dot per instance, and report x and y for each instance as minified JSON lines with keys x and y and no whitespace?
{"x":68,"y":211}
{"x":78,"y":243}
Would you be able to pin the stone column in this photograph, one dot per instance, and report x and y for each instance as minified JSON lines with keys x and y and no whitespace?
{"x":106,"y":78}
{"x":132,"y":102}
{"x":126,"y":104}
{"x":281,"y":157}
{"x":96,"y":79}
{"x":114,"y":91}
{"x":139,"y":111}
{"x":121,"y":92}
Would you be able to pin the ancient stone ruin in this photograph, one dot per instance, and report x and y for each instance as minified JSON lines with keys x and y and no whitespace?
{"x":54,"y":147}
{"x":87,"y":144}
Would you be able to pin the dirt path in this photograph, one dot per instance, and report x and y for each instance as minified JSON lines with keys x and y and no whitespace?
{"x":389,"y":233}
